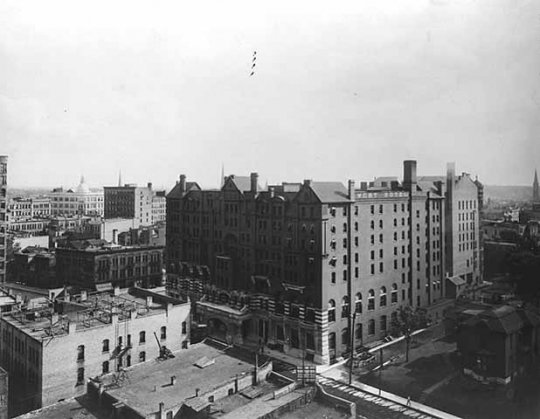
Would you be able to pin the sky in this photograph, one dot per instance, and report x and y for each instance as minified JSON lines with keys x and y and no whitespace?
{"x":341,"y":90}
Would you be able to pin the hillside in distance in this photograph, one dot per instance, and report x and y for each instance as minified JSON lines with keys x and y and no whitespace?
{"x":508,"y":193}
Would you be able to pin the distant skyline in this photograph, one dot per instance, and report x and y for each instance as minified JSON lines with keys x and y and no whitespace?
{"x":344,"y":90}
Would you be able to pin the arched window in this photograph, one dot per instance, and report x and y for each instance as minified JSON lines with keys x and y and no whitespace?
{"x":356,"y":226}
{"x":332,"y":340}
{"x":163,"y":333}
{"x":358,"y":303}
{"x":394,"y":294}
{"x":331,"y":311}
{"x":371,"y":300}
{"x":105,"y":345}
{"x":345,"y":307}
{"x":359,"y":331}
{"x":372,"y":224}
{"x":383,"y":297}
{"x":371,"y":327}
{"x":345,"y":336}
{"x":383,"y":323}
{"x":80,"y":353}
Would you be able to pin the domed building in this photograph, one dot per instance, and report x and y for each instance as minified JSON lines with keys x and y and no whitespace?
{"x":81,"y":201}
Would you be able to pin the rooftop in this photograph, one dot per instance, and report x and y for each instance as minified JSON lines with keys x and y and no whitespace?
{"x":77,"y":408}
{"x":88,"y":310}
{"x":149,"y":383}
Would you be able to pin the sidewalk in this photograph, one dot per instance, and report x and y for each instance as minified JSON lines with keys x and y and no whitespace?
{"x":337,"y":375}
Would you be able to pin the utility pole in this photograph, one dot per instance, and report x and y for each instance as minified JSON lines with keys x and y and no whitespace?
{"x":351,"y":358}
{"x":380,"y":369}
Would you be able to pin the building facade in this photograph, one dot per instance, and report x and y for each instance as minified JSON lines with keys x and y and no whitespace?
{"x":94,"y":263}
{"x":81,"y":201}
{"x":50,"y":353}
{"x":130,"y":201}
{"x":300,"y":266}
{"x":29,"y":208}
{"x":3,"y":216}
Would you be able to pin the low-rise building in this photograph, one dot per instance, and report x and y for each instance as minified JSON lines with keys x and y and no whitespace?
{"x":81,"y":201}
{"x":35,"y":266}
{"x":494,"y":343}
{"x":89,"y":263}
{"x":23,"y":208}
{"x":51,"y":352}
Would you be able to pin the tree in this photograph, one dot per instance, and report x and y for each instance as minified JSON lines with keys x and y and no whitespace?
{"x":524,"y":268}
{"x":406,"y":322}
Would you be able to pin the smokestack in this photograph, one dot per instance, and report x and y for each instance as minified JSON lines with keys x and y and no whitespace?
{"x":254,"y":177}
{"x":351,"y":189}
{"x":115,"y":236}
{"x":182,"y":183}
{"x":409,"y":174}
{"x":173,"y":380}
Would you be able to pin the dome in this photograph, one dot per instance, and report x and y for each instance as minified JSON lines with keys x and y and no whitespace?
{"x":83,"y":187}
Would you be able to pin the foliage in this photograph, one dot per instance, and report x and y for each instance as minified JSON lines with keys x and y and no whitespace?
{"x":408,"y":320}
{"x":524,"y":267}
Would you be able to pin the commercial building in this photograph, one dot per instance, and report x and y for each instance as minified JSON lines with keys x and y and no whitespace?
{"x":94,"y":263}
{"x":301,"y":265}
{"x":3,"y":216}
{"x":81,"y":201}
{"x":26,"y":208}
{"x":50,"y":353}
{"x":140,"y":203}
{"x":36,"y":267}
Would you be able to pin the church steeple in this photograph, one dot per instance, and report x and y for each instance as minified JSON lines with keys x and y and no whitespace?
{"x":536,"y":188}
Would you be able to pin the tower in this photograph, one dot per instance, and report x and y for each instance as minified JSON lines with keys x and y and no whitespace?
{"x":119,"y":178}
{"x":3,"y":217}
{"x":536,"y":188}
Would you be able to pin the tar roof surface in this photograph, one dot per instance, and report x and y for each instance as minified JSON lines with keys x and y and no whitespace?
{"x":138,"y":391}
{"x":76,"y":408}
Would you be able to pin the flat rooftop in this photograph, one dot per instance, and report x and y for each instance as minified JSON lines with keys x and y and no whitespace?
{"x":93,"y":311}
{"x":77,"y":408}
{"x":149,"y":384}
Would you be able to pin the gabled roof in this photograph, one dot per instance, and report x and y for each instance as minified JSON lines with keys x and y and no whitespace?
{"x":242,"y":183}
{"x":175,"y":192}
{"x":502,"y":319}
{"x":330,"y":192}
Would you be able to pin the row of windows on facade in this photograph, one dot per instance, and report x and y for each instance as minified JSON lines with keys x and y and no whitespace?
{"x":467,"y":226}
{"x":463,"y":247}
{"x":358,"y":302}
{"x":467,"y":204}
{"x":142,"y":339}
{"x":105,"y":366}
{"x":345,"y":337}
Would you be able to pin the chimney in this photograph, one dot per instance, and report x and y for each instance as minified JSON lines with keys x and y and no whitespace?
{"x":307,"y":182}
{"x":272,"y":191}
{"x":173,"y":380}
{"x":116,"y":291}
{"x":115,"y":236}
{"x":409,"y":174}
{"x":149,"y":184}
{"x":182,"y":183}
{"x":72,"y":327}
{"x":84,"y":295}
{"x":149,"y":300}
{"x":197,"y":392}
{"x":351,"y":189}
{"x":161,"y":413}
{"x":254,"y":177}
